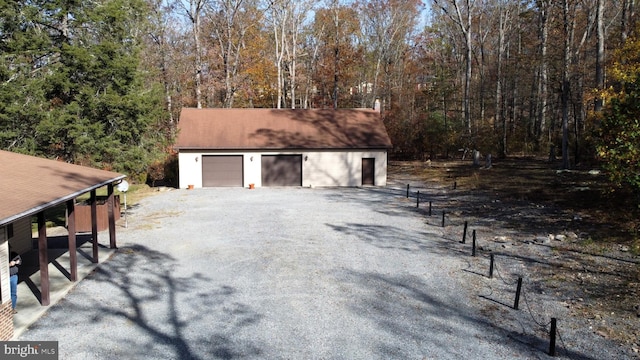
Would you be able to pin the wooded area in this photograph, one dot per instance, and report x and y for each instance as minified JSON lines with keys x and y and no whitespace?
{"x":101,"y":82}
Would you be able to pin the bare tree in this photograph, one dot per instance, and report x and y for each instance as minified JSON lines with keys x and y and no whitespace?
{"x":504,"y":23}
{"x":230,"y":20}
{"x":386,"y":26}
{"x":567,"y":26}
{"x":543,"y":75}
{"x":278,"y":15}
{"x":299,"y":12}
{"x":287,"y":18}
{"x":462,"y":18}
{"x":161,"y":34}
{"x":194,"y":13}
{"x":600,"y":52}
{"x":626,"y":20}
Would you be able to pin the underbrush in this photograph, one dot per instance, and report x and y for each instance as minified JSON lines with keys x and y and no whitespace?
{"x":611,"y":214}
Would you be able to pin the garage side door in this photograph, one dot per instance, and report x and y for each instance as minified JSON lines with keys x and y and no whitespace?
{"x":281,"y":170}
{"x":368,"y":171}
{"x":221,"y":170}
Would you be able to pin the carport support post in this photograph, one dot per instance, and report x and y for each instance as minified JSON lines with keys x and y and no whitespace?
{"x":111,"y":215}
{"x":43,"y":258}
{"x":94,"y":226}
{"x":73,"y":252}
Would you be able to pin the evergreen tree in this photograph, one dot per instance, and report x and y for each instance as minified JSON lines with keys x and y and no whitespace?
{"x":72,"y":86}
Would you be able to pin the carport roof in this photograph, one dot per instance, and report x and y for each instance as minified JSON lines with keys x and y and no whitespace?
{"x":30,"y":184}
{"x":258,"y":129}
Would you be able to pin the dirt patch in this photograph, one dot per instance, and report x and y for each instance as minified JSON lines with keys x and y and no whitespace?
{"x":570,"y":234}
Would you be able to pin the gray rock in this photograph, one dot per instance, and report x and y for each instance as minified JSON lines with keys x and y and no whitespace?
{"x":542,"y":240}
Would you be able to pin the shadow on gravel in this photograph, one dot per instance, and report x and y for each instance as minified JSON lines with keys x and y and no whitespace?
{"x":141,"y":289}
{"x":376,"y":197}
{"x":387,"y":237}
{"x":405,"y":307}
{"x":390,"y":237}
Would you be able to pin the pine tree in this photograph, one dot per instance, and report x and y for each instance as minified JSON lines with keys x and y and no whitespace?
{"x":72,"y":85}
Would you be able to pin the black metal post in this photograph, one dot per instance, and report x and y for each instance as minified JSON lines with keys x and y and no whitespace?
{"x":464,"y":233}
{"x":473,"y":247}
{"x":518,"y":289}
{"x":552,"y":340}
{"x":418,"y":199}
{"x":443,"y":215}
{"x":407,"y":191}
{"x":429,"y":208}
{"x":491,"y":267}
{"x":455,"y":185}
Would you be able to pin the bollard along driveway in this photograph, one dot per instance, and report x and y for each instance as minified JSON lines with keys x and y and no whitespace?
{"x":277,"y":273}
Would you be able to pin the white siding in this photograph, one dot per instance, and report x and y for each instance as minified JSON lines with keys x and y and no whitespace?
{"x":22,"y":240}
{"x":5,"y":290}
{"x":253,"y":169}
{"x":189,"y":169}
{"x":339,"y":168}
{"x":321,"y":168}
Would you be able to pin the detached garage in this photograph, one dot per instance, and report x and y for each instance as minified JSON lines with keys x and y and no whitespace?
{"x":281,"y":147}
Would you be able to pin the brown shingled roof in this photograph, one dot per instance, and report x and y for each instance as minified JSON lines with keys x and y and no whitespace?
{"x":248,"y":129}
{"x":30,"y":184}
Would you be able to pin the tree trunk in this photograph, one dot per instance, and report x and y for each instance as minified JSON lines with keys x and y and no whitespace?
{"x":195,"y":9}
{"x":626,"y":20}
{"x":193,"y":13}
{"x":565,"y":86}
{"x":278,"y":36}
{"x":543,"y":81}
{"x":499,"y":109}
{"x":600,"y":54}
{"x":467,"y":78}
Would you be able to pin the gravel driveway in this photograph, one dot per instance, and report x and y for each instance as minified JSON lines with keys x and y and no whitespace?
{"x":277,"y":273}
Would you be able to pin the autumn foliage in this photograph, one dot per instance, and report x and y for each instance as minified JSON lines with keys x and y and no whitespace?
{"x":619,"y":127}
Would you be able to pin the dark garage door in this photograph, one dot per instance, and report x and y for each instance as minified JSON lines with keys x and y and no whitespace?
{"x":222,"y":170}
{"x":281,"y":170}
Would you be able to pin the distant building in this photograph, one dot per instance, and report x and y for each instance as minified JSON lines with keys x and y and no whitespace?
{"x":281,"y":147}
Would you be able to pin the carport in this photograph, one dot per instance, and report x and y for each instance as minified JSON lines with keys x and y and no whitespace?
{"x":29,"y":186}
